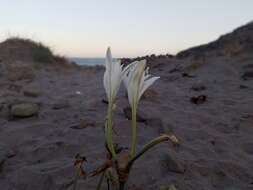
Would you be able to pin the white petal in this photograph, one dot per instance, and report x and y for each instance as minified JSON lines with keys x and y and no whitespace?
{"x":108,"y":60}
{"x":147,"y":83}
{"x":106,"y":83}
{"x":116,"y":78}
{"x":108,"y":73}
{"x":137,"y":80}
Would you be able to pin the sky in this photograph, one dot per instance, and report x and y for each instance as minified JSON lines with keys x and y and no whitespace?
{"x":85,"y":28}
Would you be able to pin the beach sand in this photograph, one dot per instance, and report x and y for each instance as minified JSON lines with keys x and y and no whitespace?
{"x":215,"y":133}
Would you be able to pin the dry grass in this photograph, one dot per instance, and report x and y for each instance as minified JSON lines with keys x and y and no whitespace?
{"x":28,"y":49}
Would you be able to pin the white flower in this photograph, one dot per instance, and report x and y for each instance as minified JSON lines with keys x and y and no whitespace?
{"x":112,"y":77}
{"x":137,"y":80}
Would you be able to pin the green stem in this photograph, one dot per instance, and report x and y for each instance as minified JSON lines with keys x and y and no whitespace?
{"x":148,"y":146}
{"x":109,"y":131}
{"x":100,"y":181}
{"x":122,"y":185}
{"x":134,"y":133}
{"x":108,"y":184}
{"x":75,"y":181}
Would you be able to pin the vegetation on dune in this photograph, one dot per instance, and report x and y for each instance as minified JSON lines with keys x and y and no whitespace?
{"x":29,"y":49}
{"x":42,"y":53}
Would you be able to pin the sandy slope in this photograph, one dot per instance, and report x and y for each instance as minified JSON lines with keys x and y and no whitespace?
{"x":216,"y":137}
{"x":216,"y":151}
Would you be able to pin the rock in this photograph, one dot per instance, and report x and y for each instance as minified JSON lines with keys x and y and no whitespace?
{"x":32,"y":92}
{"x":198,"y":87}
{"x":247,"y":75}
{"x":198,"y":99}
{"x":60,"y":104}
{"x":168,"y":187}
{"x":141,"y":117}
{"x":84,"y":124}
{"x":23,"y":110}
{"x":170,"y":162}
{"x":150,"y":94}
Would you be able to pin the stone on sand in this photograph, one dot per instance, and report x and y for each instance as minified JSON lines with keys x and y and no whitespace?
{"x":23,"y":110}
{"x":168,"y":187}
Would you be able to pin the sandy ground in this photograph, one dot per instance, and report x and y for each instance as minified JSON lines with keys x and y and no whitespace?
{"x":216,"y":150}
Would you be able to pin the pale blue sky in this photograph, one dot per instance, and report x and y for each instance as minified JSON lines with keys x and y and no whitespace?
{"x":130,"y":27}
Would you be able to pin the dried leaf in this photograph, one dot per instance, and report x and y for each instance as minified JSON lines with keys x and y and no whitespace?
{"x":173,"y":139}
{"x":79,"y":162}
{"x":107,"y":164}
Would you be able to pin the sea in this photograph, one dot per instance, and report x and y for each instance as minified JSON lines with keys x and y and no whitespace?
{"x":88,"y":61}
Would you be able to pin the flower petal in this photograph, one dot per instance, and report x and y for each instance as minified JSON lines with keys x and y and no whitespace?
{"x":112,"y":77}
{"x":147,"y":83}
